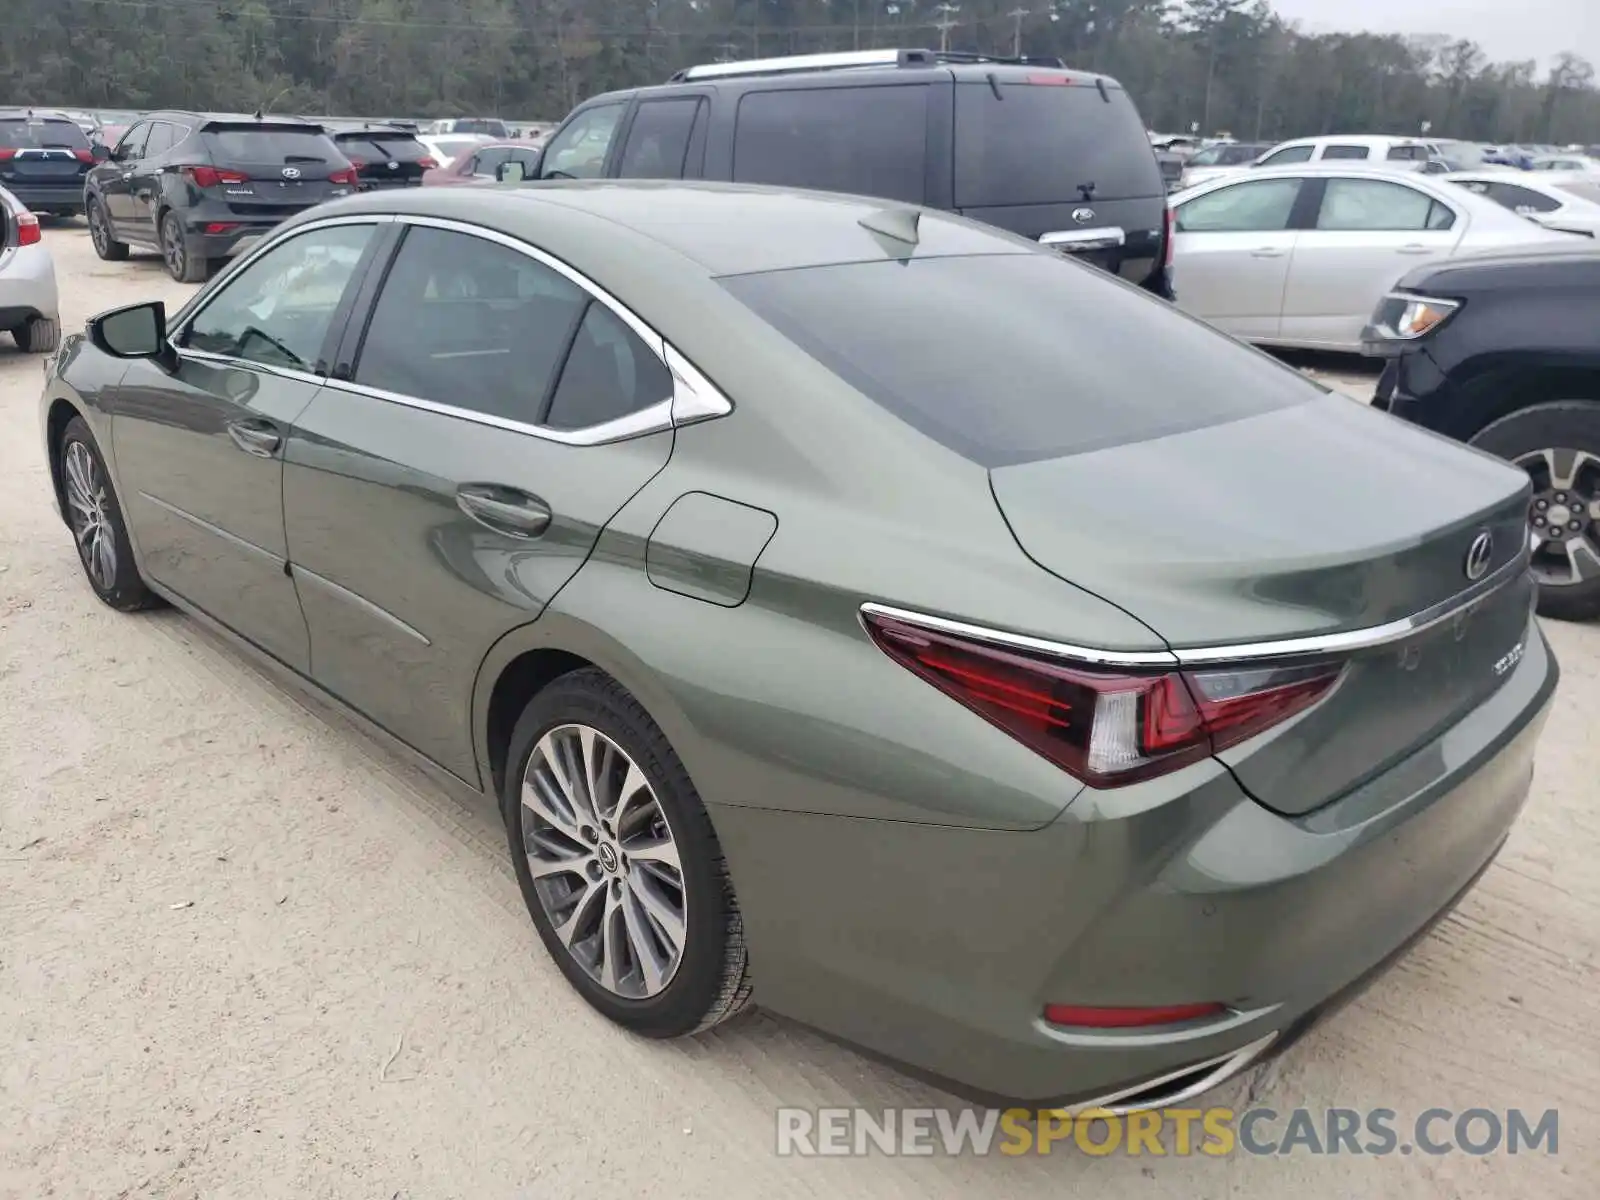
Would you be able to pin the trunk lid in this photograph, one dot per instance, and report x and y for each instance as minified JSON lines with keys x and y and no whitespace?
{"x":1320,"y":518}
{"x":289,"y":167}
{"x":385,"y":158}
{"x":42,"y":150}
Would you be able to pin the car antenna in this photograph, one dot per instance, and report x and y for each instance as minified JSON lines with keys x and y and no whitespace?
{"x":1100,"y":85}
{"x":256,"y":116}
{"x":899,"y":224}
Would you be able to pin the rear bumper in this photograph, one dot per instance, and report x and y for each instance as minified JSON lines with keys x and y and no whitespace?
{"x":49,"y":197}
{"x":938,"y":947}
{"x":27,"y":285}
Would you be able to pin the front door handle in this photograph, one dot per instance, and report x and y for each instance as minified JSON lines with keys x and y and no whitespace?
{"x":504,"y":510}
{"x":1414,"y":248}
{"x":255,"y":436}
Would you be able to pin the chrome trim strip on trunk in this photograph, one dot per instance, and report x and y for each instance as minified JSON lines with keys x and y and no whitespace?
{"x":1346,"y":642}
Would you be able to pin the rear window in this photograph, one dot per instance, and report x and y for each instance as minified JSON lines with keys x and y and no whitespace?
{"x":871,"y":141}
{"x":41,"y":133}
{"x":1038,"y":144}
{"x":381,"y":147}
{"x":268,"y":145}
{"x":1012,"y":358}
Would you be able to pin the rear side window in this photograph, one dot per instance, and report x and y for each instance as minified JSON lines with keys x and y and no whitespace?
{"x":1011,"y":358}
{"x":1375,"y":204}
{"x":868,"y":140}
{"x":1042,"y":144}
{"x":41,"y":133}
{"x":659,"y":139}
{"x":1350,"y":152}
{"x":269,"y":146}
{"x":609,"y":373}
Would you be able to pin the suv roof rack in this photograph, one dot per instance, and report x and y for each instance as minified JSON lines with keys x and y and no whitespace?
{"x":853,"y":58}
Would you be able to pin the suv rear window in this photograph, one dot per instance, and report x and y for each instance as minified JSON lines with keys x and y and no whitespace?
{"x":268,"y":145}
{"x":21,"y":133}
{"x":1015,"y":357}
{"x":1040,"y":144}
{"x":871,"y":141}
{"x":381,"y":147}
{"x":496,"y":129}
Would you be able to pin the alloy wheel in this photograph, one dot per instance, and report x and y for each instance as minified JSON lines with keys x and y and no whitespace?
{"x":172,"y":248}
{"x":1564,"y":515}
{"x":88,"y":516}
{"x":97,"y":229}
{"x":604,"y":861}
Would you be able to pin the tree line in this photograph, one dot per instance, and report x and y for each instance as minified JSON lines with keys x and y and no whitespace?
{"x":1214,"y":65}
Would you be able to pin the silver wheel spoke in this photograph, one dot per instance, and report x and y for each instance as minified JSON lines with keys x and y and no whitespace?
{"x":105,"y":555}
{"x":611,"y":941}
{"x":1581,"y":557}
{"x":545,"y":802}
{"x":652,"y":966}
{"x":654,"y":850}
{"x":568,"y":929}
{"x":665,"y":917}
{"x":591,"y":755}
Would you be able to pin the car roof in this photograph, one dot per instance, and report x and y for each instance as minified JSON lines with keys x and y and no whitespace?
{"x":1355,"y":139}
{"x":721,"y":228}
{"x":37,"y":114}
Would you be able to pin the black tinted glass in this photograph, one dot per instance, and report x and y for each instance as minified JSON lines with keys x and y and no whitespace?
{"x":161,"y":137}
{"x":1512,"y":196}
{"x":609,"y":374}
{"x":659,"y":139}
{"x":379,"y":147}
{"x":1040,"y":144}
{"x":868,"y":140}
{"x":1354,"y":152}
{"x":1011,"y":358}
{"x":43,"y":133}
{"x":269,"y":146}
{"x":469,"y":323}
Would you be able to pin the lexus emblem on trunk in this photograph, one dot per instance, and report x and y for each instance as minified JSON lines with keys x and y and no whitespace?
{"x":1083,"y":215}
{"x":1479,"y":554}
{"x":291,"y":172}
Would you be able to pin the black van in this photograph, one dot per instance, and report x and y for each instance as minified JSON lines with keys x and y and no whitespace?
{"x":1056,"y":155}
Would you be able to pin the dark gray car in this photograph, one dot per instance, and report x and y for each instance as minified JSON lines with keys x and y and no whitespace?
{"x":828,"y":611}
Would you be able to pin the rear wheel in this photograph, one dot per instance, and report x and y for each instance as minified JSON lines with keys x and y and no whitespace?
{"x":39,"y":335}
{"x":1558,"y":445}
{"x":182,"y":265}
{"x":105,"y":245}
{"x":618,"y":862}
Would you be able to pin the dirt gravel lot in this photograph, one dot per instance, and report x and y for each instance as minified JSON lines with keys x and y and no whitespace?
{"x":246,"y":953}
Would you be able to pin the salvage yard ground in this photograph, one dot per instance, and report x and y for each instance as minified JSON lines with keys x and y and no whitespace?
{"x":246,"y":953}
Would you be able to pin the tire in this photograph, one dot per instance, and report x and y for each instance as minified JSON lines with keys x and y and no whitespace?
{"x":710,"y":980}
{"x":120,"y":586}
{"x":181,"y":264}
{"x":1563,"y":427}
{"x":100,"y":233}
{"x":39,"y":335}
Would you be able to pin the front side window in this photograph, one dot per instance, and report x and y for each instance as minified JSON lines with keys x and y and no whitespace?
{"x":579,"y":150}
{"x":484,"y":162}
{"x":470,"y":323}
{"x":131,"y":147}
{"x":1259,"y":206}
{"x":1345,"y":152}
{"x":659,"y":139}
{"x":1376,"y":204}
{"x":1289,"y":154}
{"x":870,"y":141}
{"x":279,"y":309}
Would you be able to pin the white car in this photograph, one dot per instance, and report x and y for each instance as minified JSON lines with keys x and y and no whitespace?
{"x":1350,"y":148}
{"x":29,"y":307}
{"x":1580,"y":163}
{"x":1298,"y":256}
{"x":1568,"y":201}
{"x":446,"y":148}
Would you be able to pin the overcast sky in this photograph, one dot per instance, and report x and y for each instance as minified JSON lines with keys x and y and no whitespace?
{"x":1506,"y":29}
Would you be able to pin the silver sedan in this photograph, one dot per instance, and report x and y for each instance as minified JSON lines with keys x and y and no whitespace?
{"x":28,"y":299}
{"x":1297,"y":256}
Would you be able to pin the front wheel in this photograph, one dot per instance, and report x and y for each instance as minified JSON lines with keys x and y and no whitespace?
{"x":95,"y":518}
{"x":1558,"y":445}
{"x":107,"y":247}
{"x":618,"y":862}
{"x":181,"y":264}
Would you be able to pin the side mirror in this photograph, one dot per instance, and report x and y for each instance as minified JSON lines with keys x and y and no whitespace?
{"x":511,"y":171}
{"x":137,"y":331}
{"x":101,"y":151}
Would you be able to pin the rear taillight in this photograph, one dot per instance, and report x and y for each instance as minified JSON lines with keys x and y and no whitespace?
{"x":1167,"y":231}
{"x":1103,"y":726}
{"x":6,"y":153}
{"x":1129,"y":1018}
{"x":213,"y":176}
{"x":28,"y":233}
{"x":83,"y":156}
{"x":345,"y":176}
{"x":427,"y":162}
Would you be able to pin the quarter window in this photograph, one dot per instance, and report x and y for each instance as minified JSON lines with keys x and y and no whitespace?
{"x":278,"y":310}
{"x":1260,"y":206}
{"x":579,"y":150}
{"x":867,"y":140}
{"x":609,"y":373}
{"x":1518,"y":198}
{"x":1375,"y":204}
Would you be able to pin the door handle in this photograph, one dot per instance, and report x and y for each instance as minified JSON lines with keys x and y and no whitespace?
{"x":256,"y":437}
{"x":504,"y":510}
{"x":1266,"y":252}
{"x":1414,"y":248}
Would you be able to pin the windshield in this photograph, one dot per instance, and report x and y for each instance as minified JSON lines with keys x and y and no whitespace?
{"x":41,"y":133}
{"x":1011,"y":358}
{"x":1042,"y":144}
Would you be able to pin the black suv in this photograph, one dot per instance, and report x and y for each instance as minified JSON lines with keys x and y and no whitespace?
{"x":1503,"y":352}
{"x":383,"y":154}
{"x":44,"y":157}
{"x":197,"y":185}
{"x":1056,"y":155}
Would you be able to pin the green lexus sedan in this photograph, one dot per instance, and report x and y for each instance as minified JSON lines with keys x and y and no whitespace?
{"x":843,"y":605}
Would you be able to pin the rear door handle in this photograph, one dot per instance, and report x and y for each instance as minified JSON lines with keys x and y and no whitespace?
{"x":1414,"y":248}
{"x":255,"y":436}
{"x":1266,"y":252}
{"x":505,"y":510}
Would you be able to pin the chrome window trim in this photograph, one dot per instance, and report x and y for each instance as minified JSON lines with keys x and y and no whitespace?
{"x":1346,"y":642}
{"x":247,"y":364}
